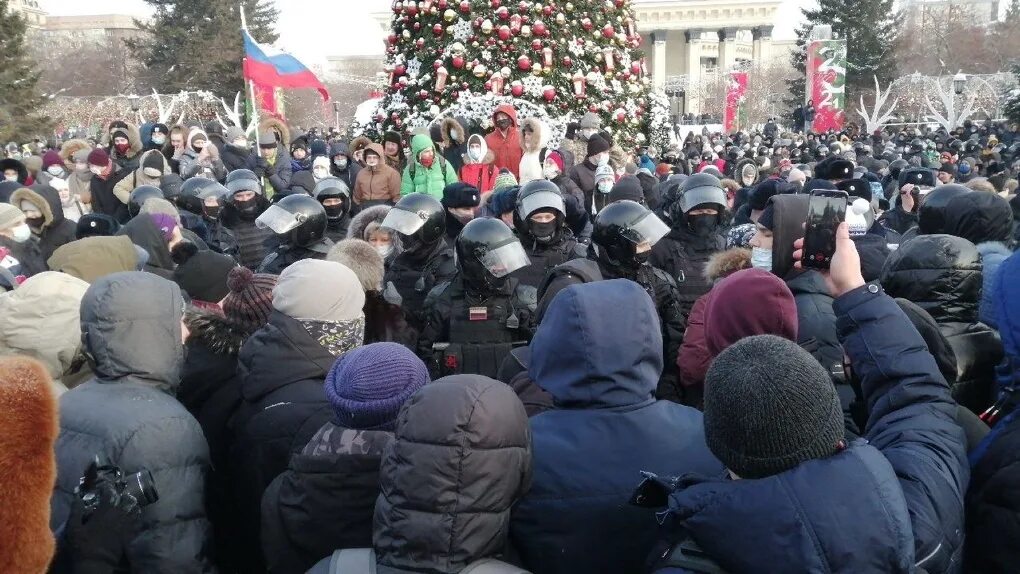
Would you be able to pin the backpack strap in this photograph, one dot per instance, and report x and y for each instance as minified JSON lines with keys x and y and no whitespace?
{"x":352,"y":561}
{"x":492,"y":566}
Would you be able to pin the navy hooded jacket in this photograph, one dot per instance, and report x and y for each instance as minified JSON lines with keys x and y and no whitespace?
{"x":891,"y":503}
{"x":350,"y":173}
{"x":598,"y":352}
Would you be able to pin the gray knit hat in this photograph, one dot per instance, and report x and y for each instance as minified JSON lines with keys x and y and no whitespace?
{"x":770,"y":406}
{"x":10,"y":216}
{"x":590,"y":121}
{"x":233,"y":133}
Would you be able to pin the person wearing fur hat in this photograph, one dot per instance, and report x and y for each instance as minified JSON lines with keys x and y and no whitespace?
{"x":393,"y":150}
{"x":534,"y":137}
{"x":45,"y":217}
{"x":367,"y":226}
{"x":384,"y":321}
{"x":377,"y":183}
{"x":200,"y":155}
{"x":128,"y":416}
{"x":75,"y":154}
{"x":27,"y":436}
{"x":326,"y":498}
{"x":477,"y":168}
{"x":453,"y":141}
{"x":14,"y":170}
{"x":554,"y":169}
{"x":317,"y":317}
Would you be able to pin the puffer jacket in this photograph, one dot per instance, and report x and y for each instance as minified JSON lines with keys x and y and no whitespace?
{"x":53,"y":338}
{"x":607,"y":427}
{"x":506,"y":149}
{"x":56,"y":229}
{"x":379,"y":184}
{"x":130,"y":160}
{"x":419,"y":179}
{"x":128,"y":415}
{"x":481,"y":174}
{"x":906,"y":481}
{"x":348,"y":175}
{"x":942,"y":275}
{"x":138,"y":177}
{"x":683,"y":255}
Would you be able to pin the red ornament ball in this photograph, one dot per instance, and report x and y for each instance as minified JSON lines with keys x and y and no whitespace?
{"x":502,"y":13}
{"x":392,"y":39}
{"x":547,"y":10}
{"x":458,"y":62}
{"x":567,"y":62}
{"x":549,"y":94}
{"x":524,"y":63}
{"x":465,"y":6}
{"x":495,"y":3}
{"x":417,"y":26}
{"x":608,"y":31}
{"x":593,"y":108}
{"x":620,"y":3}
{"x":437,"y":64}
{"x":419,"y":43}
{"x":536,"y":45}
{"x":400,"y":70}
{"x":411,"y":9}
{"x":438,"y":30}
{"x":442,"y":4}
{"x":517,"y":90}
{"x":587,"y":24}
{"x":523,"y":7}
{"x":504,"y":32}
{"x":539,"y":29}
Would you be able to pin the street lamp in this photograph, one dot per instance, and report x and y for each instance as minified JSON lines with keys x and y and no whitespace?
{"x":959,"y":82}
{"x":336,"y":113}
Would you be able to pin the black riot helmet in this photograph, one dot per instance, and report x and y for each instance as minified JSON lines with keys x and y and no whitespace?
{"x":625,"y":232}
{"x":821,"y":151}
{"x":537,"y":196}
{"x":297,"y":220}
{"x":191,"y":189}
{"x":214,"y":197}
{"x":419,"y":218}
{"x":140,"y":195}
{"x":243,"y":180}
{"x":327,"y":192}
{"x":700,"y":190}
{"x":931,"y":216}
{"x":916,"y":145}
{"x":896,"y":166}
{"x":170,"y":184}
{"x":488,"y":252}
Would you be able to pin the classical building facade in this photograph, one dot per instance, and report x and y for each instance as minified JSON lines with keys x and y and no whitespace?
{"x":685,"y":40}
{"x":35,"y":16}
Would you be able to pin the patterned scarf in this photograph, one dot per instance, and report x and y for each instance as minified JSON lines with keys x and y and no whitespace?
{"x":337,"y":337}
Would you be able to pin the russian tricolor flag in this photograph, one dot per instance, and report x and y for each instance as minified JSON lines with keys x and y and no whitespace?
{"x":268,"y":66}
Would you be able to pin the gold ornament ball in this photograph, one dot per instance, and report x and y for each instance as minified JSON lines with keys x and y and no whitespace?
{"x":450,"y":15}
{"x":486,"y":26}
{"x":569,"y":7}
{"x":479,"y":70}
{"x":536,"y":69}
{"x":526,"y":31}
{"x":406,"y":34}
{"x":561,"y":19}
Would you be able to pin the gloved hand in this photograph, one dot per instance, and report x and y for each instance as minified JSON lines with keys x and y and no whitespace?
{"x":98,"y":544}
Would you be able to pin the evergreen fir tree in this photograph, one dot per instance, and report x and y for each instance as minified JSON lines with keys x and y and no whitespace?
{"x":20,"y":102}
{"x":565,"y":58}
{"x":869,"y":28}
{"x":197,"y":44}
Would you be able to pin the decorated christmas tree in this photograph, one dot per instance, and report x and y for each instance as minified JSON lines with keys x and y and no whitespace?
{"x":553,"y":59}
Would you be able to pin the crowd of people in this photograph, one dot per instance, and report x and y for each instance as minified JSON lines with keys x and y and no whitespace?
{"x":480,"y":348}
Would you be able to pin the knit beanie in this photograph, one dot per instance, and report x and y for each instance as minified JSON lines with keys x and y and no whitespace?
{"x":504,"y":200}
{"x":157,"y":205}
{"x":770,"y":406}
{"x":360,"y":257}
{"x":740,"y":236}
{"x":204,"y":274}
{"x":250,"y":299}
{"x":627,"y":188}
{"x":596,"y":145}
{"x":555,"y":157}
{"x":234,"y":133}
{"x":368,"y":385}
{"x":504,"y":179}
{"x":459,"y":194}
{"x":391,"y":136}
{"x":99,"y":157}
{"x":10,"y":216}
{"x":317,"y":290}
{"x":318,"y":147}
{"x":153,"y":160}
{"x":662,"y":169}
{"x":605,"y":172}
{"x":165,"y":224}
{"x":590,"y":121}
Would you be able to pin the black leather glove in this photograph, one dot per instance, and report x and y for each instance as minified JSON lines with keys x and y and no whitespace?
{"x":99,"y":542}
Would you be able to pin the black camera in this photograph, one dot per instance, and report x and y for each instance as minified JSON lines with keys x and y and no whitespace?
{"x":102,"y":475}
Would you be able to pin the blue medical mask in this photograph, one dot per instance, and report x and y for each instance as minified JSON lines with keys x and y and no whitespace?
{"x":761,"y":258}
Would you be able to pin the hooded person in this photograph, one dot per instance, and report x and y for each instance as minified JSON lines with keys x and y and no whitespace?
{"x":45,"y":217}
{"x":14,"y":170}
{"x":427,"y":171}
{"x":477,"y":168}
{"x":384,"y":321}
{"x":304,"y":181}
{"x":377,"y":183}
{"x":601,"y":434}
{"x":986,"y":220}
{"x":453,"y":141}
{"x":90,"y":258}
{"x":474,"y":432}
{"x":199,"y":156}
{"x":75,"y":154}
{"x":127,"y":415}
{"x":123,"y":143}
{"x":358,"y":147}
{"x":534,"y":138}
{"x":104,"y":180}
{"x":154,"y":234}
{"x":791,"y":469}
{"x":317,"y":316}
{"x":942,"y":275}
{"x":54,"y":337}
{"x":326,"y":498}
{"x":504,"y":140}
{"x":71,"y":206}
{"x":393,"y":150}
{"x":19,"y":253}
{"x":342,"y":166}
{"x":367,"y":226}
{"x":151,"y":169}
{"x":29,"y":431}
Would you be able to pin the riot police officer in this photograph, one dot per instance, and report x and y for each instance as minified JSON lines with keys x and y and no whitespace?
{"x":140,"y":195}
{"x":426,"y":260}
{"x":473,"y":321}
{"x":540,"y":222}
{"x":299,"y":223}
{"x":335,"y":197}
{"x":623,"y":237}
{"x":695,"y":235}
{"x":214,"y":198}
{"x":246,"y":203}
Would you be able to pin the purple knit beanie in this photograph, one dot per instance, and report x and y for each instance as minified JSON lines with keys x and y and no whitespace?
{"x":368,"y":385}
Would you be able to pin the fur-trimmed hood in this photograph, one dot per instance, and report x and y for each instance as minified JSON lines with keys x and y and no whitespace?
{"x":41,"y":203}
{"x":539,"y":131}
{"x":28,"y":434}
{"x":725,"y":263}
{"x":444,"y":130}
{"x":372,"y":217}
{"x":133,"y":135}
{"x":221,"y":335}
{"x":487,"y":155}
{"x":360,"y":143}
{"x":281,"y":129}
{"x":71,"y":147}
{"x":361,"y":258}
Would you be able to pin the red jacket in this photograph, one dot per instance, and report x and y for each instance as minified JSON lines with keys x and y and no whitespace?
{"x":506,"y":149}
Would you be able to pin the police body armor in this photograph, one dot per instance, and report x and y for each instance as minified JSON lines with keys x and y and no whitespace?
{"x":286,"y":255}
{"x":545,"y":258}
{"x":482,"y":332}
{"x":413,"y":284}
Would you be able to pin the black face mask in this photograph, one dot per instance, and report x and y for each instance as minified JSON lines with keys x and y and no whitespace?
{"x":642,"y":258}
{"x":35,"y":222}
{"x":247,"y":208}
{"x":503,"y":124}
{"x":703,"y":225}
{"x":335,"y":212}
{"x":544,"y":233}
{"x":211,"y":211}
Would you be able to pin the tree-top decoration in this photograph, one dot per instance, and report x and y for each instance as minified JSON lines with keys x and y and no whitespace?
{"x":566,"y":57}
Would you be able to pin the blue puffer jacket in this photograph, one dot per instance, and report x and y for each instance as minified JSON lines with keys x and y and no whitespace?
{"x":598,"y":352}
{"x":893,"y":505}
{"x":993,"y":253}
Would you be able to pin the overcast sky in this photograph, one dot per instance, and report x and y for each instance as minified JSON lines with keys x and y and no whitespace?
{"x":313,"y":29}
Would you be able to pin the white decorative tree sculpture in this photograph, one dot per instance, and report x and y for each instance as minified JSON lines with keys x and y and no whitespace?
{"x":235,"y":116}
{"x":953,"y":116}
{"x":876,"y":119}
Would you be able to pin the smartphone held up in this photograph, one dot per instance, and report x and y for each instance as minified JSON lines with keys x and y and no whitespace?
{"x":826,"y":210}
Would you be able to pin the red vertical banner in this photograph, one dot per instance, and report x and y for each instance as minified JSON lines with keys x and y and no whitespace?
{"x":826,"y":83}
{"x":735,"y":115}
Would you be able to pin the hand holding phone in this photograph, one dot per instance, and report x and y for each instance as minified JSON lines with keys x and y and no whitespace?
{"x":826,"y":210}
{"x":844,"y":274}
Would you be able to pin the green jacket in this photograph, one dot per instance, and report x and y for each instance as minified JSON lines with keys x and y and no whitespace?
{"x":419,"y":179}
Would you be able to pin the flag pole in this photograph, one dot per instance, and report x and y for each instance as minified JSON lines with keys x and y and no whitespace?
{"x":251,"y":85}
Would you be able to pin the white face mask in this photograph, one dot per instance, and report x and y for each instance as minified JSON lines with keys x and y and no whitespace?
{"x":96,"y":170}
{"x":320,"y":172}
{"x":372,"y":161}
{"x":10,"y":178}
{"x":152,"y":172}
{"x":21,"y":233}
{"x":605,"y":186}
{"x":158,"y":140}
{"x":761,"y":258}
{"x":550,"y":171}
{"x":340,"y":163}
{"x":475,"y":153}
{"x":384,"y":250}
{"x":55,"y":170}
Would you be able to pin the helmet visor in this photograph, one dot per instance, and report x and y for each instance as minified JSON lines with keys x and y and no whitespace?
{"x":279,"y":220}
{"x":699,"y":195}
{"x":403,"y":221}
{"x":505,"y":259}
{"x":541,"y":200}
{"x":215,"y":190}
{"x":649,"y":229}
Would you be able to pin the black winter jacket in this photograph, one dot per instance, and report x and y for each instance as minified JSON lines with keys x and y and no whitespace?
{"x":683,"y":256}
{"x":942,"y":275}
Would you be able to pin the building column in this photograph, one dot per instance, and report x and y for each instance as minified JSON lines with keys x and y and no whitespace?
{"x":727,"y":48}
{"x":659,"y":58}
{"x":694,"y":43}
{"x":762,"y":43}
